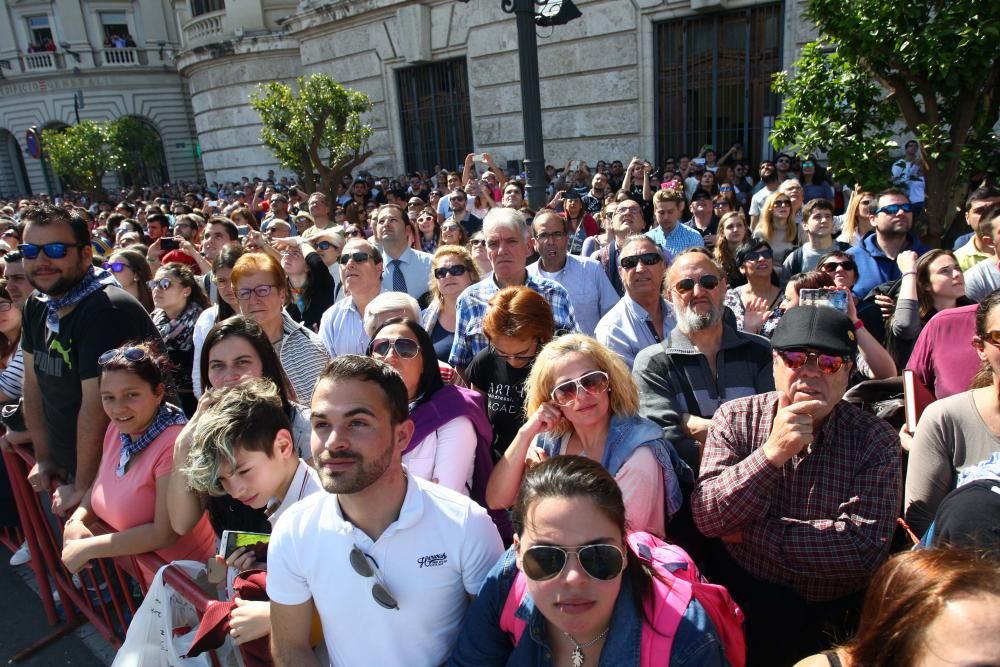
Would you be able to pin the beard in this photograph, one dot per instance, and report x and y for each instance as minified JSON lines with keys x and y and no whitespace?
{"x":688,"y":320}
{"x":359,"y":477}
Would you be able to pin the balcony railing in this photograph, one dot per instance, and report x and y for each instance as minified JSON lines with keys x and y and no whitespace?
{"x":128,"y":57}
{"x":42,"y":61}
{"x":204,"y":29}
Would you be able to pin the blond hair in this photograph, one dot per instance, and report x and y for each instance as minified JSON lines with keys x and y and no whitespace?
{"x":765,"y":226}
{"x":451,"y":251}
{"x":623,"y":394}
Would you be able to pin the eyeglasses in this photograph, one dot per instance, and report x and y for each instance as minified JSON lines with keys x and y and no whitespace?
{"x":361,"y":565}
{"x":721,"y":204}
{"x":455,"y":270}
{"x":629,"y":210}
{"x":646,"y":259}
{"x":355,"y":234}
{"x":514,"y":357}
{"x":9,"y":233}
{"x":685,"y":285}
{"x":782,"y":203}
{"x":476,"y":243}
{"x":132,"y":354}
{"x":550,"y":236}
{"x":115,"y":267}
{"x":846,"y":265}
{"x":992,"y":337}
{"x":603,"y":562}
{"x":161,"y":284}
{"x":326,"y":245}
{"x":828,"y":364}
{"x":51,"y":250}
{"x":406,"y":348}
{"x":359,"y":257}
{"x":261,"y":291}
{"x":594,"y":382}
{"x":758,"y":255}
{"x":5,"y":306}
{"x":893,"y":209}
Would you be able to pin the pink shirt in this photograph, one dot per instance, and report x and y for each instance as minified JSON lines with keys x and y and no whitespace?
{"x":943,"y":358}
{"x":130,"y":501}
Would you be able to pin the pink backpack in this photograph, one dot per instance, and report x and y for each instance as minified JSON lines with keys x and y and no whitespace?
{"x":679,"y":581}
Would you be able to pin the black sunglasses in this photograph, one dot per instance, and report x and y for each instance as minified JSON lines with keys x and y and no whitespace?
{"x":893,"y":209}
{"x":325,"y":245}
{"x":685,"y":285}
{"x":846,"y":265}
{"x":360,"y":257}
{"x":132,"y":354}
{"x":757,"y":255}
{"x":646,"y":259}
{"x":455,"y":270}
{"x":603,"y":562}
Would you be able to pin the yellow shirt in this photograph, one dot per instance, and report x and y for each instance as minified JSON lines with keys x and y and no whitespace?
{"x":969,"y":255}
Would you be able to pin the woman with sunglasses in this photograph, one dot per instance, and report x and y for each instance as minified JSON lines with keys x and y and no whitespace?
{"x":756,"y":304}
{"x":735,"y":232}
{"x":452,"y":270}
{"x":133,"y":273}
{"x":477,"y":248}
{"x":588,"y":597}
{"x":311,"y":288}
{"x":129,"y":493}
{"x":518,"y":324}
{"x":582,"y":400}
{"x":430,"y":229}
{"x":855,"y":224}
{"x":227,"y":306}
{"x":777,"y":226}
{"x":450,"y":420}
{"x":453,"y":233}
{"x":179,"y":300}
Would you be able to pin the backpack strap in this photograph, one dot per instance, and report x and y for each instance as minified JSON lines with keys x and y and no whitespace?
{"x":666,"y":607}
{"x":509,"y":622}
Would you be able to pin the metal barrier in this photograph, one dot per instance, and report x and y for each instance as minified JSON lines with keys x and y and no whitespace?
{"x":106,"y":594}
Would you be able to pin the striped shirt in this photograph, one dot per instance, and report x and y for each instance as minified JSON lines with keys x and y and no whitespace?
{"x":302,"y":356}
{"x":822,"y":523}
{"x":12,"y":377}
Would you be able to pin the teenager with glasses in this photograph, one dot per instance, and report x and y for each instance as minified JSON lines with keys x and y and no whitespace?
{"x":452,"y":270}
{"x":133,"y":273}
{"x":799,"y":492}
{"x":179,"y":301}
{"x":425,"y":546}
{"x":587,"y":596}
{"x":582,"y":401}
{"x":130,"y":490}
{"x":876,"y":255}
{"x":757,"y":303}
{"x":518,"y":323}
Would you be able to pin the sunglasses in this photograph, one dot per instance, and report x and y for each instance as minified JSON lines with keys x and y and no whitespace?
{"x":261,"y":291}
{"x":359,"y":257}
{"x":51,"y":250}
{"x":115,"y":267}
{"x":361,"y":565}
{"x":893,"y":209}
{"x":455,"y":270}
{"x":133,"y":354}
{"x":162,"y":284}
{"x":603,"y":562}
{"x":720,"y":204}
{"x":406,"y":348}
{"x":326,"y":245}
{"x":685,"y":285}
{"x":355,"y":234}
{"x":449,"y":228}
{"x":514,"y":357}
{"x":782,"y":203}
{"x":476,"y":243}
{"x":846,"y":265}
{"x":758,"y":255}
{"x":594,"y":382}
{"x":828,"y":364}
{"x":992,"y":337}
{"x":646,"y":259}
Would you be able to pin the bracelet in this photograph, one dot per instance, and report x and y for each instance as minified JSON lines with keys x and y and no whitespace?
{"x":859,"y":325}
{"x":910,"y":273}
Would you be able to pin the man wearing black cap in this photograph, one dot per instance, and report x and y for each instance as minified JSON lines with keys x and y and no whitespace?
{"x":702,"y":220}
{"x":803,"y":490}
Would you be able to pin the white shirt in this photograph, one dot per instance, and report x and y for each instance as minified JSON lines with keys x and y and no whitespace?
{"x":430,"y":559}
{"x":304,"y":484}
{"x":342,"y":329}
{"x":202,"y":326}
{"x":446,"y":456}
{"x":588,"y":287}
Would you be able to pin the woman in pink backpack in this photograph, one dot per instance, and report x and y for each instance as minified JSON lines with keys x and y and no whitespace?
{"x":576,"y":590}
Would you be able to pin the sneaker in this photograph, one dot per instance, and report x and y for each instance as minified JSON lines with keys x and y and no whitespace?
{"x":21,"y":556}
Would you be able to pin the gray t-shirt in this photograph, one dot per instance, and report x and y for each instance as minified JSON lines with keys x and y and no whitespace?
{"x":951,"y":436}
{"x":982,"y":279}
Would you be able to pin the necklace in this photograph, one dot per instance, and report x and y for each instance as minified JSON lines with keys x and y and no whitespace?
{"x":577,"y":657}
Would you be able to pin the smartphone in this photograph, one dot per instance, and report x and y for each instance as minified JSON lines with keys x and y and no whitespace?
{"x":169,"y":244}
{"x":700,"y":161}
{"x":825,"y":296}
{"x":479,"y":157}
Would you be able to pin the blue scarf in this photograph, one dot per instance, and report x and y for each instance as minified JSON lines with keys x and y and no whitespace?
{"x":167,"y":415}
{"x":94,"y":280}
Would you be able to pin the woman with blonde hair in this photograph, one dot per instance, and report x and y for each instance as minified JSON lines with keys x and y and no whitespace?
{"x":734,"y":232}
{"x":452,"y":270}
{"x":582,"y":401}
{"x":777,"y":225}
{"x":856,"y":223}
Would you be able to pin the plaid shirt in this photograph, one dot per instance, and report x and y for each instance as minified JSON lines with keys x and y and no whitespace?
{"x":821,"y":523}
{"x":475,"y":300}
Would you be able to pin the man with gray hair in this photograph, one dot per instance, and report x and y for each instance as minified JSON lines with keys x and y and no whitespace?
{"x":342,"y":326}
{"x":704,"y":361}
{"x":507,"y":248}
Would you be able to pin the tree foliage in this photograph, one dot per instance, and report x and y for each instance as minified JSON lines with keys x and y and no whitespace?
{"x":136,"y":148}
{"x":316,"y":128}
{"x":79,"y":154}
{"x":938,"y":65}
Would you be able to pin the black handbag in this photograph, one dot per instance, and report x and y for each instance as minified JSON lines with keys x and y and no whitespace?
{"x":882,"y":398}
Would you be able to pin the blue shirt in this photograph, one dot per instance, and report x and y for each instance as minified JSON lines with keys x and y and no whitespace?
{"x":474,"y":301}
{"x":627,"y":328}
{"x":588,"y":287}
{"x":342,"y":329}
{"x":681,"y":238}
{"x":874,"y":267}
{"x":415,"y":266}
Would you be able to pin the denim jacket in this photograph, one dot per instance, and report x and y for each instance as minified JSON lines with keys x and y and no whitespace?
{"x":625,"y":435}
{"x":481,"y":642}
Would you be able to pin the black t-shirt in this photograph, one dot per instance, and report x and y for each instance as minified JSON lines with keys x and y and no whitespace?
{"x":504,"y":390}
{"x":104,"y":320}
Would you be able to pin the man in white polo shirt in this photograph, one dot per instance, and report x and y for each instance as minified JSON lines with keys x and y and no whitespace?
{"x":388,"y":560}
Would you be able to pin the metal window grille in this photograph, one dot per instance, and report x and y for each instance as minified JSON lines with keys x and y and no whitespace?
{"x":199,"y":7}
{"x":435,"y":116}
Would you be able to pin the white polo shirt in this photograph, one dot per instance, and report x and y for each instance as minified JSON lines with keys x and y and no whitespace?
{"x":431,"y":558}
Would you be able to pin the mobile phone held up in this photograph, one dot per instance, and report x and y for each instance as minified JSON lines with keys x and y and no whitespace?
{"x":825,"y":296}
{"x":169,"y":244}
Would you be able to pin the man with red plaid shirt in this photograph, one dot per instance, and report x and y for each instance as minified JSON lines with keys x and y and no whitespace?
{"x":803,"y":491}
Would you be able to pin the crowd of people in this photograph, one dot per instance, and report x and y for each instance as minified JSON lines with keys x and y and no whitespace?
{"x":635,"y":426}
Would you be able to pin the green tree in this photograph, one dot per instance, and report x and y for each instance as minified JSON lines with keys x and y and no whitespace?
{"x":80,"y":155}
{"x":135,"y":149}
{"x":314,"y":129}
{"x":937,"y":63}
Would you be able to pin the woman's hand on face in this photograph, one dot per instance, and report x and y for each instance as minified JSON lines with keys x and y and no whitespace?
{"x":907,"y":261}
{"x":545,"y":419}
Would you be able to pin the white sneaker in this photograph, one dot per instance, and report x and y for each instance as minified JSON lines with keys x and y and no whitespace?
{"x":21,"y":556}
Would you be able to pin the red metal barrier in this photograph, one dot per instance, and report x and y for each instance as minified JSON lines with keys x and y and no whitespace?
{"x":106,"y":594}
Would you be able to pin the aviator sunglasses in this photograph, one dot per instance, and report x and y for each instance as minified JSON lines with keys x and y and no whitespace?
{"x":603,"y":562}
{"x":406,"y":348}
{"x":828,"y":364}
{"x":594,"y":382}
{"x":685,"y":285}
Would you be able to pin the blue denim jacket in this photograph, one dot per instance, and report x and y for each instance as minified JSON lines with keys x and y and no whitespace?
{"x":481,"y":642}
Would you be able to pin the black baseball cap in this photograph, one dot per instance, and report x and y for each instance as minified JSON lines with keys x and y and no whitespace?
{"x":815,"y":327}
{"x":701,"y":193}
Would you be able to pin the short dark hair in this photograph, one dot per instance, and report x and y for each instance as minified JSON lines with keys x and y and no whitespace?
{"x":231,"y":229}
{"x":243,"y":327}
{"x":891,"y":192}
{"x":44,"y":214}
{"x":366,"y":369}
{"x":160,"y":218}
{"x":813,"y":204}
{"x":979,"y":194}
{"x":430,"y":374}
